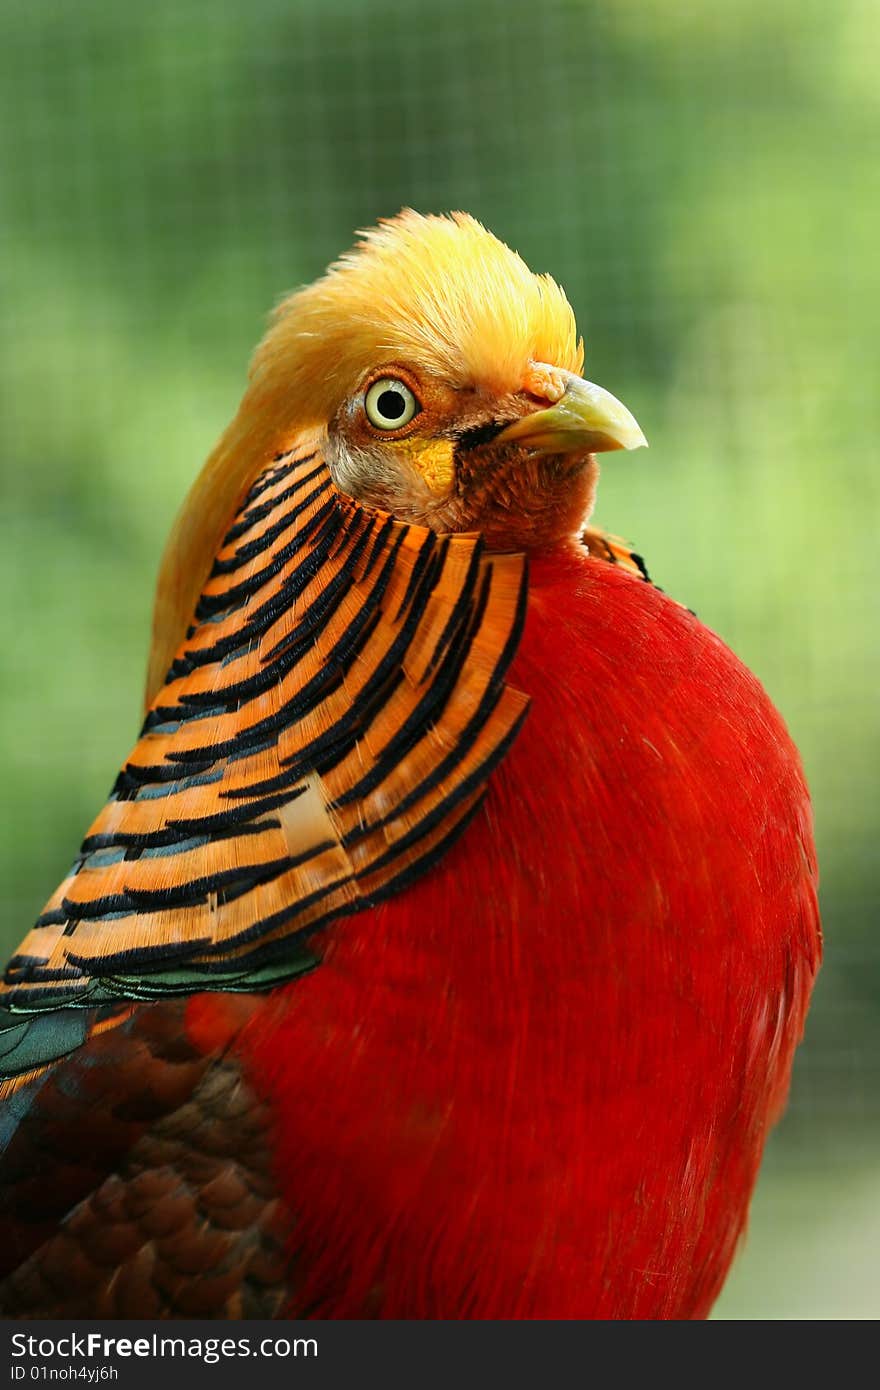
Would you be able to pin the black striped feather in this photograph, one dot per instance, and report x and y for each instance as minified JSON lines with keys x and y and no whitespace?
{"x":616,"y":551}
{"x":324,"y":733}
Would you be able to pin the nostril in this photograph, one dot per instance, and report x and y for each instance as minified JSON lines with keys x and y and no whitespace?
{"x":545,"y":383}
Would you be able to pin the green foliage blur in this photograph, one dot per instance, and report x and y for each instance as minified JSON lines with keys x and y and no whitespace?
{"x":702,"y":178}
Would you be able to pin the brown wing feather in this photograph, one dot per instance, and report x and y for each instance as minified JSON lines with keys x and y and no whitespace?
{"x":325,"y":730}
{"x":164,"y":1203}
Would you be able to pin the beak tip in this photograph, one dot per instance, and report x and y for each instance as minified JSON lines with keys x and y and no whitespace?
{"x":631,"y":435}
{"x":629,"y":439}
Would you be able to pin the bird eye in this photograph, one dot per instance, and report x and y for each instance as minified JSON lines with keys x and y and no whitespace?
{"x":390,"y":404}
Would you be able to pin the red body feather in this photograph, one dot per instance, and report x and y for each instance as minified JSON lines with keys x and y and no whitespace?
{"x":539,"y":1082}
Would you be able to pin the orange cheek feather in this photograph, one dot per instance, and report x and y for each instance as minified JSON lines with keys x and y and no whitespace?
{"x":433,"y":461}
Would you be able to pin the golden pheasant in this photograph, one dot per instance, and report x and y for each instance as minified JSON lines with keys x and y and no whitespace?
{"x":444,"y":944}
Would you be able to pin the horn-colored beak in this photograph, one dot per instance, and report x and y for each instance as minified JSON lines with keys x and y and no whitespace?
{"x":586,"y":417}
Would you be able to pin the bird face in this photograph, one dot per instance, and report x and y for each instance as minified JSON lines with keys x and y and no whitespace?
{"x":445,"y":376}
{"x":517,"y":466}
{"x":441,"y":379}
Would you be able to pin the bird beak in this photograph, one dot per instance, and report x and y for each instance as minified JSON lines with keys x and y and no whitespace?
{"x":585,"y":418}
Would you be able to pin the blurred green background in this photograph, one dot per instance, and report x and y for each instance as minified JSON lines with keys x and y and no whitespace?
{"x":703,"y":179}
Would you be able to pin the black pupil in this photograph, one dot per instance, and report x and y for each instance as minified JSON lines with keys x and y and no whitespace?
{"x":391,"y":405}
